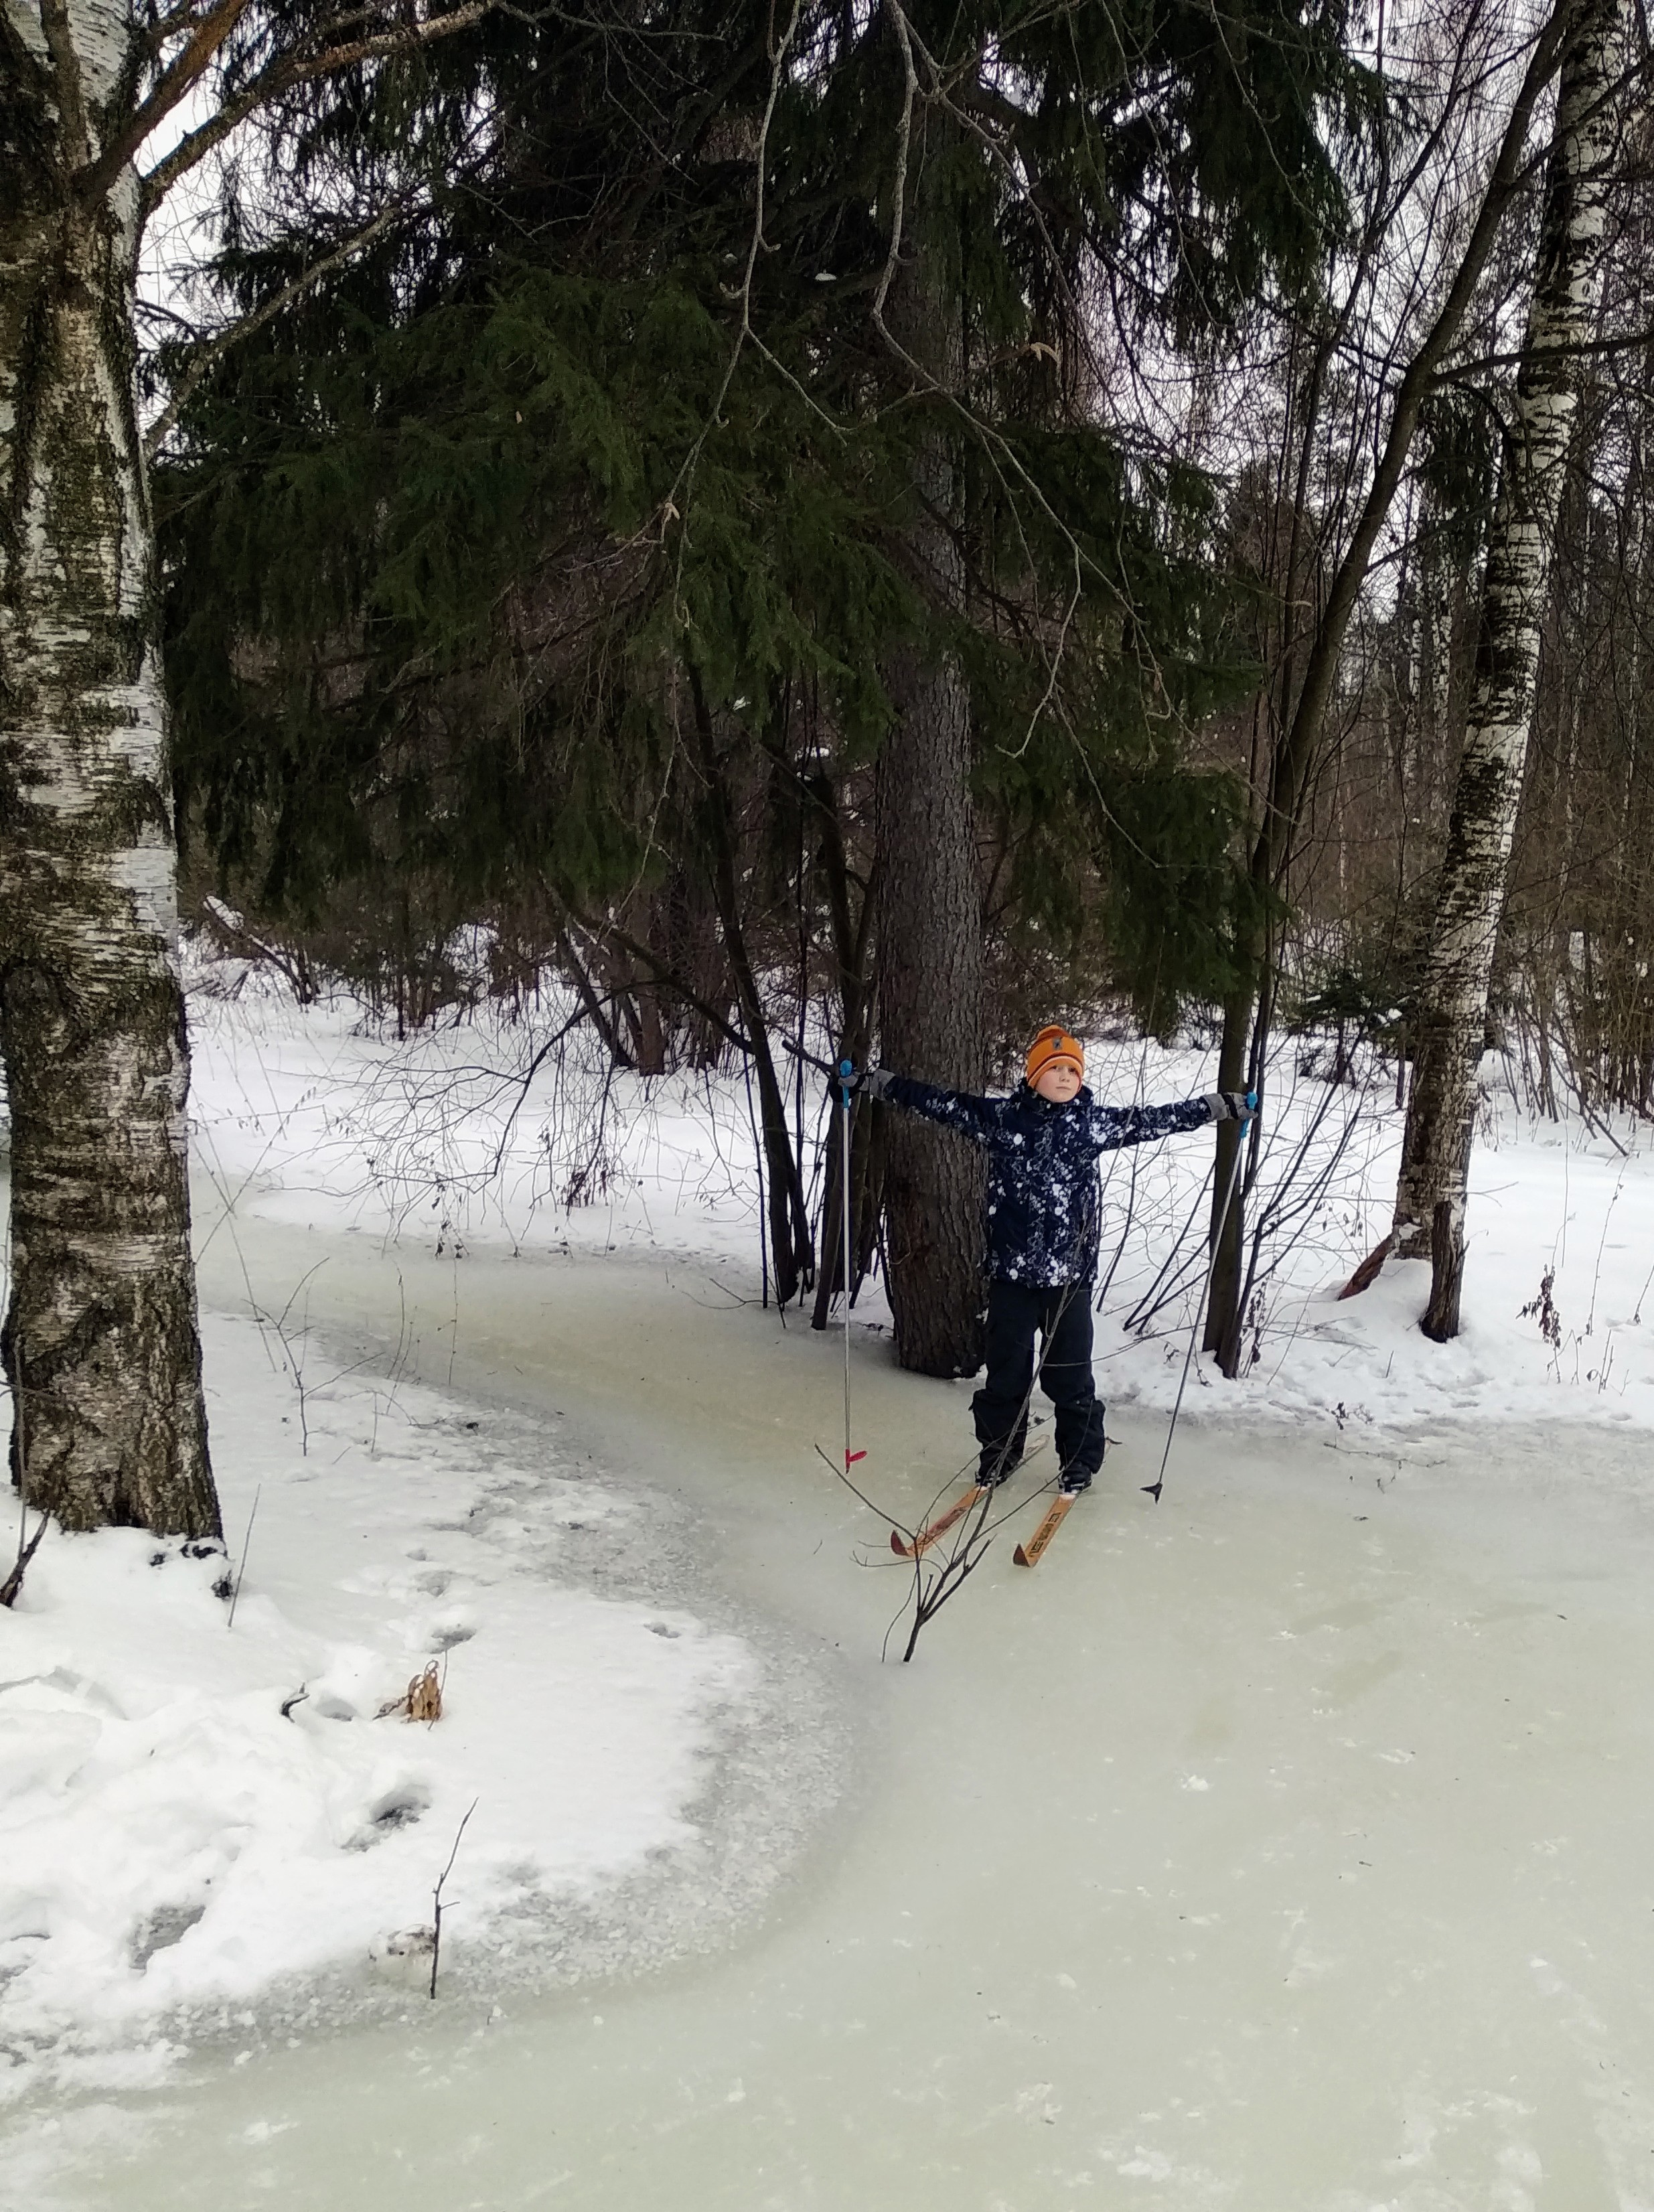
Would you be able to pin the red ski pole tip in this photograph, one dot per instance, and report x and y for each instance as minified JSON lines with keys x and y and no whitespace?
{"x":850,"y":1458}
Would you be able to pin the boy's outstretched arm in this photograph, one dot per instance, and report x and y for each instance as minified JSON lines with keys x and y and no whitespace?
{"x":961,"y":1110}
{"x":1115,"y":1126}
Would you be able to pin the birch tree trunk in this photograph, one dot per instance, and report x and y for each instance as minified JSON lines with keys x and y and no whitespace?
{"x":1288,"y":776}
{"x":1452,"y":1005}
{"x":99,"y":1342}
{"x":929,"y":890}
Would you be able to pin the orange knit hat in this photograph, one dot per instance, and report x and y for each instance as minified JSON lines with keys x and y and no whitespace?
{"x":1053,"y":1044}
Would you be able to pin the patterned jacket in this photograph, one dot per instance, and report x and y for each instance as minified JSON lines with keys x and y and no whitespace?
{"x":1042,"y":1199}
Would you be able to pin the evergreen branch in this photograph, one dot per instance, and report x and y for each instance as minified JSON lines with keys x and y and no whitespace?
{"x":808,"y":396}
{"x":211,"y":354}
{"x":685,"y":478}
{"x":957,"y":96}
{"x":906,"y":39}
{"x":1053,"y":666}
{"x":282,"y":75}
{"x":993,"y":441}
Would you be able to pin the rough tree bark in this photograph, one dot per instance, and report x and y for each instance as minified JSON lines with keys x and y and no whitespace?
{"x":930,"y":985}
{"x":928,"y":884}
{"x":1452,"y":1003}
{"x":100,"y":1341}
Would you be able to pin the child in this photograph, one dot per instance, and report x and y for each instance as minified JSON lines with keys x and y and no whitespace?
{"x":1042,"y":1145}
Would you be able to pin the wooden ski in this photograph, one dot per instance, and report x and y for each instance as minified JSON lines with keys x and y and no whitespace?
{"x":940,"y":1527}
{"x":1031,"y":1553}
{"x":955,"y":1513}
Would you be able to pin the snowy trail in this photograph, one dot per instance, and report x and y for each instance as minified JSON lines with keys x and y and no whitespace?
{"x":1288,"y":1846}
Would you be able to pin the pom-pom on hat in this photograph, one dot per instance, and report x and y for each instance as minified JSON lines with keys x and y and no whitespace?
{"x":1052,"y":1044}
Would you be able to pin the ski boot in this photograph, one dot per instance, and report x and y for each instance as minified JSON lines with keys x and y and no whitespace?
{"x":998,"y":1462}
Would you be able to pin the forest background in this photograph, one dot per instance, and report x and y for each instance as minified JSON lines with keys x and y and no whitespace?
{"x":824,"y":530}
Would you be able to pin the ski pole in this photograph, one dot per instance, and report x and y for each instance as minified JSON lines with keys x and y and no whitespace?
{"x":846,"y":1077}
{"x":1153,"y":1489}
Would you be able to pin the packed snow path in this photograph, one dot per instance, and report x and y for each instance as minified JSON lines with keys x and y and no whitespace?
{"x":1285,"y":1846}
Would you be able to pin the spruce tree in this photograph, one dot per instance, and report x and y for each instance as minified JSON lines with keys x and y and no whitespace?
{"x":733,"y":393}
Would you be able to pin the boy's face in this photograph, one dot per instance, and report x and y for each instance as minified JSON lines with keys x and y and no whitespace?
{"x":1058,"y":1082}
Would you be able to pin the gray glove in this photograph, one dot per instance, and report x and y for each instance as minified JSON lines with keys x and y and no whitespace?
{"x":1232,"y":1105}
{"x":873,"y":1081}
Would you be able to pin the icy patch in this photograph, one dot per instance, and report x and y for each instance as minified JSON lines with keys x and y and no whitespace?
{"x":206,"y":1827}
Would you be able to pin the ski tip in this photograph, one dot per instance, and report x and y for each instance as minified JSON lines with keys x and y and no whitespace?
{"x":900,"y":1545}
{"x":1153,"y":1490}
{"x":1021,"y":1556}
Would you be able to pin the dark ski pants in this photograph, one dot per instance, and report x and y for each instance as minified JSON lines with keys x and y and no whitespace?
{"x":1062,"y":1317}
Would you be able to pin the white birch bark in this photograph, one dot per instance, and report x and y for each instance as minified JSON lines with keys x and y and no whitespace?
{"x":101,"y":1341}
{"x":1436,"y":702}
{"x":1452,"y":1013}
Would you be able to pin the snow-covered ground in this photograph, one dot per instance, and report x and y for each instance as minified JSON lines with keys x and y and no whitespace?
{"x":195,"y":1812}
{"x":483,"y":1344}
{"x":463,"y":1138}
{"x":209,"y":1819}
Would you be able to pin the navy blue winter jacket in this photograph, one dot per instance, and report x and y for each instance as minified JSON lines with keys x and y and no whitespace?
{"x":1042,"y":1166}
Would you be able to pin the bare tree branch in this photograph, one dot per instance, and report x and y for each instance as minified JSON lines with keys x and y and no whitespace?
{"x":173,"y":85}
{"x":288,"y":70}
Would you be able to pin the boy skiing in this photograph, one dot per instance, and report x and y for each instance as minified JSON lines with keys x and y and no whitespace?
{"x":1042,"y":1144}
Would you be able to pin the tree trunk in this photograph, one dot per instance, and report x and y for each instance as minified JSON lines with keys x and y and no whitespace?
{"x":928,"y":889}
{"x":791,"y":1253}
{"x":930,"y":985}
{"x":1289,"y":774}
{"x":850,"y":941}
{"x":1227,"y":1230}
{"x":1452,"y":1005}
{"x":99,"y":1342}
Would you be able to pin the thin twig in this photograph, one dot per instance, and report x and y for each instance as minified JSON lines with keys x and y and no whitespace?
{"x":436,"y":1896}
{"x":235,"y":1595}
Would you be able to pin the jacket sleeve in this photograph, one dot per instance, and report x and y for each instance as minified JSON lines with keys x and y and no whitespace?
{"x":979,"y":1119}
{"x":1112,"y":1126}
